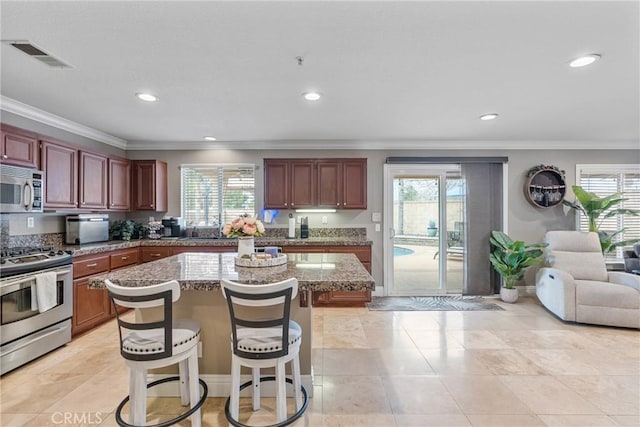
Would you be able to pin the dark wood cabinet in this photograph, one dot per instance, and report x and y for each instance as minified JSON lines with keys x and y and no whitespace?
{"x":19,"y":147}
{"x":354,"y":184}
{"x":338,"y":298}
{"x":60,"y":167}
{"x":90,"y":306}
{"x":150,"y":185}
{"x":119,"y":184}
{"x":305,"y":183}
{"x":302,"y":184}
{"x":92,"y":181}
{"x":276,"y":184}
{"x":153,"y":253}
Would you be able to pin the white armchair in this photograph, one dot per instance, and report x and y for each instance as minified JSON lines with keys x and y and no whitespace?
{"x":574,"y":283}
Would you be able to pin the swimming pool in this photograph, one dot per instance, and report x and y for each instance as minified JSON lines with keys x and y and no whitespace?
{"x":399,"y":251}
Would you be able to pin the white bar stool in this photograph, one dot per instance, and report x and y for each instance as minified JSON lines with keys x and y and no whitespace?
{"x":259,"y":342}
{"x":150,"y":345}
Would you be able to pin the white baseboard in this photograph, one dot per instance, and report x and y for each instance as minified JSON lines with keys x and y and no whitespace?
{"x":220,"y":386}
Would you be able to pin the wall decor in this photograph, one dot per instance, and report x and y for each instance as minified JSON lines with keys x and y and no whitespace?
{"x":545,"y":186}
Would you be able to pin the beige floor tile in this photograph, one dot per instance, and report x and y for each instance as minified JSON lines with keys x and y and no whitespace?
{"x":455,"y":362}
{"x":626,"y":420}
{"x":345,"y":339}
{"x":612,"y":338}
{"x":354,"y":395}
{"x":380,"y":320}
{"x":505,"y":420}
{"x":613,"y":395}
{"x":364,"y":420}
{"x":38,"y":392}
{"x":434,"y":340}
{"x":547,"y":395}
{"x":402,"y":362}
{"x":388,"y":338}
{"x":100,"y":393}
{"x":508,"y":362}
{"x":340,"y":324}
{"x":562,"y":362}
{"x":577,"y":420}
{"x":419,"y":395}
{"x":350,"y":362}
{"x":15,"y":420}
{"x":471,"y":340}
{"x":438,"y":420}
{"x":484,"y":395}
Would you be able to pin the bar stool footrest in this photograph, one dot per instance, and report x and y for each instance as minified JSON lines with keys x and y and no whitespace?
{"x":172,"y":421}
{"x":286,"y":422}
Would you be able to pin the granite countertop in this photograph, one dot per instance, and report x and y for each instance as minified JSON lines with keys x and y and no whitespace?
{"x":203,"y":271}
{"x":111,"y":245}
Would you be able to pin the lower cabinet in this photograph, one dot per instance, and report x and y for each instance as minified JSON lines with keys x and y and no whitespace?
{"x":338,"y":298}
{"x":92,"y":307}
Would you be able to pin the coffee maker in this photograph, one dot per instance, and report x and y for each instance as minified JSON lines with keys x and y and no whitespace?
{"x":172,"y":227}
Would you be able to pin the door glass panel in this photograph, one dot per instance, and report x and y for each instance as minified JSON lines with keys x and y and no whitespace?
{"x":416,"y":216}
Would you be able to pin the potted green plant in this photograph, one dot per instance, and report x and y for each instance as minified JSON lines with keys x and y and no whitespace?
{"x":510,"y":259}
{"x":432,"y":230}
{"x":126,"y":230}
{"x":596,"y":210}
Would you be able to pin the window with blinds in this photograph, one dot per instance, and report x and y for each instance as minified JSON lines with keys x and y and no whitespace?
{"x":605,"y":180}
{"x":216,"y":194}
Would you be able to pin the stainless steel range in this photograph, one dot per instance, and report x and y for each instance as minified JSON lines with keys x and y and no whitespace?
{"x":33,"y":325}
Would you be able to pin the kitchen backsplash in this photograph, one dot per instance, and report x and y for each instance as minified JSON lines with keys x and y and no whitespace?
{"x":57,"y":239}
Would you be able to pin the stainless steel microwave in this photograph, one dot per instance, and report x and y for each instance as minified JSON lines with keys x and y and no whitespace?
{"x":21,"y":189}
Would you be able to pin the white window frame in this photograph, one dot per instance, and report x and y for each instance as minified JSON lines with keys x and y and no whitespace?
{"x":218,"y":202}
{"x":586,"y":168}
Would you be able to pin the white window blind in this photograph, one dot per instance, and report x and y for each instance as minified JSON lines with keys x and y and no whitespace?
{"x":216,"y":194}
{"x":605,"y":180}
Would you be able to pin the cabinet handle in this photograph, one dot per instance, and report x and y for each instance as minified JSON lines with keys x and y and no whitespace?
{"x":285,"y":204}
{"x":4,"y":156}
{"x":292,"y":204}
{"x":344,"y":204}
{"x":338,"y":204}
{"x":95,"y":264}
{"x":151,"y":205}
{"x":124,"y":258}
{"x":154,"y":255}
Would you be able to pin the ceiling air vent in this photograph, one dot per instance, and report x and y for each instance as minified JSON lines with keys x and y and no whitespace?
{"x":38,"y":54}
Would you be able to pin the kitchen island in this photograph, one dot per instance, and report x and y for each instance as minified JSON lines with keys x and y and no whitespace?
{"x":199,"y":276}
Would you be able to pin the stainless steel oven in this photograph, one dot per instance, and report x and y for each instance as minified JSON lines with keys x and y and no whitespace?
{"x":27,"y":331}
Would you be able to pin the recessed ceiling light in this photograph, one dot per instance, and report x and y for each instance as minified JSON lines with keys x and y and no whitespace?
{"x":146,"y":97}
{"x":311,"y":96}
{"x":210,"y":138}
{"x":584,"y":60}
{"x":489,"y":116}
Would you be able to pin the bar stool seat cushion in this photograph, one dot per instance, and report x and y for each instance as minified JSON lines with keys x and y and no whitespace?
{"x":185,"y":333}
{"x":255,"y":340}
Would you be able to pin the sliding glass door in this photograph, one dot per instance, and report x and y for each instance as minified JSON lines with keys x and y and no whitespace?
{"x":424,"y":249}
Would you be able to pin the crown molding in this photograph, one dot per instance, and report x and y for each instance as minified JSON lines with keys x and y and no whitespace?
{"x":16,"y":107}
{"x":385,"y":145}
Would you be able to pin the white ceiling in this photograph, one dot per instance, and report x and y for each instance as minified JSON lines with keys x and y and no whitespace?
{"x":393,"y":74}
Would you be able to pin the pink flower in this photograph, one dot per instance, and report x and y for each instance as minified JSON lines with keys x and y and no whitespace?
{"x":227,"y":229}
{"x":237,"y":223}
{"x":250,"y":220}
{"x":250,"y":229}
{"x":260,"y":227}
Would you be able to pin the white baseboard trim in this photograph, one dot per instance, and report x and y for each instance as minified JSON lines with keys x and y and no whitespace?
{"x":220,"y":386}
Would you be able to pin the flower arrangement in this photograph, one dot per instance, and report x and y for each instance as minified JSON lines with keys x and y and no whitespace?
{"x":244,"y":225}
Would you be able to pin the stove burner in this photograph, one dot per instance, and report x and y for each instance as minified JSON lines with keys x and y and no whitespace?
{"x":30,"y":259}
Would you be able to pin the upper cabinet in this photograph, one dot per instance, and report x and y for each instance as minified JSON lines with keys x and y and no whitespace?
{"x":119,"y":184}
{"x":326,"y":183}
{"x":19,"y":147}
{"x":60,"y":167}
{"x":150,"y":185}
{"x":93,"y":181}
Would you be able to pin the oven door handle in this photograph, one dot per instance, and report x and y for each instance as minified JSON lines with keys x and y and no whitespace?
{"x":14,"y":286}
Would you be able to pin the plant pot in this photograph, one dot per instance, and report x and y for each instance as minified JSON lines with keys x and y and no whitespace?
{"x":509,"y":295}
{"x":431,"y":232}
{"x":245,"y":246}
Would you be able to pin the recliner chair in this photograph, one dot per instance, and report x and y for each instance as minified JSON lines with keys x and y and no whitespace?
{"x":575,"y":285}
